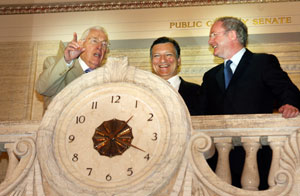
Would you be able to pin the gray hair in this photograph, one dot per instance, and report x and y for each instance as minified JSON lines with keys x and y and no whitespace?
{"x":98,"y":28}
{"x":235,"y":24}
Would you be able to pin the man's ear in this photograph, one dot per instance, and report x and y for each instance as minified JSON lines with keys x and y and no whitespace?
{"x":232,"y":35}
{"x":179,"y":62}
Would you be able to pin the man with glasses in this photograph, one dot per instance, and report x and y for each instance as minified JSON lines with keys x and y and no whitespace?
{"x":246,"y":83}
{"x":79,"y":57}
{"x":256,"y":81}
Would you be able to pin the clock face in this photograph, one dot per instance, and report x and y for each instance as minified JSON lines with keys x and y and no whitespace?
{"x":108,"y":139}
{"x":115,"y":131}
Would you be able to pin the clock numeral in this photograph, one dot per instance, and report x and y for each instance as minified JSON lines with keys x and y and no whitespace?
{"x":75,"y":157}
{"x":115,"y":99}
{"x":94,"y":105}
{"x":151,"y":117}
{"x":154,"y":138}
{"x":108,"y":177}
{"x":130,"y":171}
{"x":89,"y":170}
{"x":71,"y":138}
{"x":147,"y":157}
{"x":136,"y":103}
{"x":80,"y":119}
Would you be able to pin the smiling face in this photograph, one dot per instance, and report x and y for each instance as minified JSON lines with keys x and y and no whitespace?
{"x":225,"y":43}
{"x":164,"y":60}
{"x":95,"y":48}
{"x":219,"y":40}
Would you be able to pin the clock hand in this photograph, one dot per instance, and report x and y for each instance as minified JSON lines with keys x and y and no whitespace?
{"x":128,"y":144}
{"x":121,"y":128}
{"x":113,"y":134}
{"x":129,"y":119}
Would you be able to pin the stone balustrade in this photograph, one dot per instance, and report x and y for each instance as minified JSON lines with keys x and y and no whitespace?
{"x":223,"y":133}
{"x":211,"y":133}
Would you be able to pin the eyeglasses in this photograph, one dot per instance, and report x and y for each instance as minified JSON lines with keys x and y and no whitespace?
{"x":216,"y":34}
{"x":96,"y":41}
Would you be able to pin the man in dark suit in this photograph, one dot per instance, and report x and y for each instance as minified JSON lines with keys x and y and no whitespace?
{"x":246,"y":83}
{"x":165,"y":59}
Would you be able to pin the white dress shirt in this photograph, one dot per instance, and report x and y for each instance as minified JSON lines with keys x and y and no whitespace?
{"x":175,"y":82}
{"x":236,"y":59}
{"x":81,"y":62}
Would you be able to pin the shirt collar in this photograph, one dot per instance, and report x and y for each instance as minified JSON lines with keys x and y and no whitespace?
{"x":175,"y":82}
{"x":236,"y":59}
{"x":83,"y":64}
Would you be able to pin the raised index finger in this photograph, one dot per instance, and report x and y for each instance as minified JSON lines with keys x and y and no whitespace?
{"x":74,"y":37}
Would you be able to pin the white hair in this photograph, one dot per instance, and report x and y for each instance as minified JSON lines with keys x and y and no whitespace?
{"x":98,"y":28}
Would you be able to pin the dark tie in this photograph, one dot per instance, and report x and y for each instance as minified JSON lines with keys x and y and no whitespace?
{"x":227,"y":73}
{"x":88,"y":70}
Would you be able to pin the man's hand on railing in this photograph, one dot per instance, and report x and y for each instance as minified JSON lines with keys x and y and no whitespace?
{"x":288,"y":111}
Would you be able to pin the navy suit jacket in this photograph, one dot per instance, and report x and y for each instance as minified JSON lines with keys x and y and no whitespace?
{"x":190,"y":93}
{"x":257,"y":84}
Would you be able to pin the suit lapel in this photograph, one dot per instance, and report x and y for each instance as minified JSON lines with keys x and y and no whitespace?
{"x":75,"y":72}
{"x":242,"y":66}
{"x":220,"y":77}
{"x":77,"y":69}
{"x":181,"y":86}
{"x":238,"y":72}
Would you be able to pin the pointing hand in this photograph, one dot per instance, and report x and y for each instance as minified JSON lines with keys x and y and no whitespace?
{"x":73,"y":49}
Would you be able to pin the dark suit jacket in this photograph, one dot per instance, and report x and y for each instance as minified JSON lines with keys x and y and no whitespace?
{"x":190,"y":93}
{"x":257,"y":84}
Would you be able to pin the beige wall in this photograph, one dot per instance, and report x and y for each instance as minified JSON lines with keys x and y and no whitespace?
{"x":25,"y":41}
{"x":261,"y":18}
{"x":20,"y":64}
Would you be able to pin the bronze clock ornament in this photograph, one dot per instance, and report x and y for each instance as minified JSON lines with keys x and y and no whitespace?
{"x":113,"y":137}
{"x":115,"y":131}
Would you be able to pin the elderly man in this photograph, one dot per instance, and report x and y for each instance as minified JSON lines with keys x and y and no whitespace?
{"x":165,"y":59}
{"x":79,"y":57}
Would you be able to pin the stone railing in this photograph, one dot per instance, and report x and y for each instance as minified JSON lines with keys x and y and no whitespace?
{"x":25,"y":177}
{"x":249,"y":131}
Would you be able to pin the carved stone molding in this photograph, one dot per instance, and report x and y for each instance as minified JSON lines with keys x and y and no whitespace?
{"x":22,"y":168}
{"x":207,"y":183}
{"x":116,"y":5}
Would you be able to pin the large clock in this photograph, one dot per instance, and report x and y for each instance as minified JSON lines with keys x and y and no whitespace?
{"x":115,"y":131}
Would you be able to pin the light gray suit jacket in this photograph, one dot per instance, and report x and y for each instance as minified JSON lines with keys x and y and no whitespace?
{"x":55,"y":76}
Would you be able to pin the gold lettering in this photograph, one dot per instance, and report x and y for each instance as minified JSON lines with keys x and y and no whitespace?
{"x":268,"y":20}
{"x":172,"y":24}
{"x":209,"y":23}
{"x":198,"y":24}
{"x":261,"y":21}
{"x":275,"y":21}
{"x":183,"y":25}
{"x":244,"y":20}
{"x":281,"y":20}
{"x":255,"y":22}
{"x":272,"y":21}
